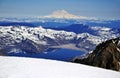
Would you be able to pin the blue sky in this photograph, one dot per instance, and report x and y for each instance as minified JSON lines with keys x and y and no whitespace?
{"x":90,"y":8}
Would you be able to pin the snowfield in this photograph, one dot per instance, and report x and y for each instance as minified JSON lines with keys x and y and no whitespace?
{"x":16,"y":67}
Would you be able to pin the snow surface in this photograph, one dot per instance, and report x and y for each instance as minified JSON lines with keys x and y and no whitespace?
{"x":90,"y":37}
{"x":16,"y":67}
{"x":36,"y":34}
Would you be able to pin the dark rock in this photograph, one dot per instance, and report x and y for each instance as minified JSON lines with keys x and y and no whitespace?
{"x":106,"y":55}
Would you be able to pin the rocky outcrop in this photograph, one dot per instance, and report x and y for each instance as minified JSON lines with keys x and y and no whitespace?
{"x":106,"y":55}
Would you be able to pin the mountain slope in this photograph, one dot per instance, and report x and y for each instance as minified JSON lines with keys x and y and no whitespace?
{"x":31,"y":39}
{"x":15,"y":67}
{"x":39,"y":39}
{"x":106,"y":55}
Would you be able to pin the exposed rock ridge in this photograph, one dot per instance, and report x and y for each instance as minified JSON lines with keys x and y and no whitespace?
{"x":106,"y":55}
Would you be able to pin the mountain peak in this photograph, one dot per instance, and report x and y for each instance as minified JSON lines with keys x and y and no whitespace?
{"x":62,"y":14}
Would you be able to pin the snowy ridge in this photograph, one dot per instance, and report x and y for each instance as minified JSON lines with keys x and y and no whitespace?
{"x":31,"y":39}
{"x":16,"y":67}
{"x":36,"y":34}
{"x":106,"y":32}
{"x":39,"y":37}
{"x":89,"y":37}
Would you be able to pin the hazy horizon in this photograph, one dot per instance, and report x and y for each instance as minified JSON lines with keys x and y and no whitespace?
{"x":30,"y":8}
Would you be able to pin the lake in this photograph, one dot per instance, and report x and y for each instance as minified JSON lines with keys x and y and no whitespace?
{"x":57,"y":54}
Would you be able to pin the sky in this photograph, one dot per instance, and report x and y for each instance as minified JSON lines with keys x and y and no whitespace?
{"x":89,"y":8}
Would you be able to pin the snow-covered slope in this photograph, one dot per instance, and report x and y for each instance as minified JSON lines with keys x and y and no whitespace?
{"x":31,"y":39}
{"x":39,"y":39}
{"x":15,"y":67}
{"x":35,"y":34}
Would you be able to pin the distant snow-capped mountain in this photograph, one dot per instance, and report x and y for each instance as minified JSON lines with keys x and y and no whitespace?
{"x":63,"y":14}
